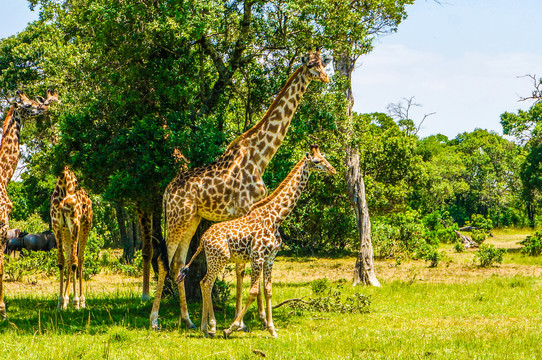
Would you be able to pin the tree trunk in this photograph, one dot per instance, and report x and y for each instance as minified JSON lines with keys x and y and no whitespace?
{"x":126,"y":241}
{"x":364,"y":271}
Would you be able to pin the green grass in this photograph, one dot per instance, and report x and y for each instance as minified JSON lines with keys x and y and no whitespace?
{"x":496,"y":318}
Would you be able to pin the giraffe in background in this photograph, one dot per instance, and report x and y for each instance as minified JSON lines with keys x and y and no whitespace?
{"x":226,"y":188}
{"x":9,"y":157}
{"x":253,"y":238}
{"x":71,"y":218}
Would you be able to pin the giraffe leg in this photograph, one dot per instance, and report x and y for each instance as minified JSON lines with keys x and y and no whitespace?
{"x":83,"y":238}
{"x":74,"y":261}
{"x":268,"y":293}
{"x":179,"y":260}
{"x":158,"y":295}
{"x":66,"y":290}
{"x":239,"y":272}
{"x":61,"y":263}
{"x":3,"y":240}
{"x":261,"y":309}
{"x":215,"y":264}
{"x":145,"y":221}
{"x":76,"y":299}
{"x":254,"y":289}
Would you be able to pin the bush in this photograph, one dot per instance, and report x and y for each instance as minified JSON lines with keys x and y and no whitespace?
{"x":489,"y":254}
{"x":459,"y":247}
{"x":478,"y":236}
{"x":30,"y":263}
{"x":429,"y":253}
{"x":533,"y":244}
{"x":384,"y":240}
{"x":480,"y":222}
{"x":329,"y":298}
{"x":33,"y":224}
{"x":135,"y":269}
{"x":92,"y":264}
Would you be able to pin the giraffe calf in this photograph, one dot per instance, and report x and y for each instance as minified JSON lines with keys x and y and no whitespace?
{"x":253,"y":238}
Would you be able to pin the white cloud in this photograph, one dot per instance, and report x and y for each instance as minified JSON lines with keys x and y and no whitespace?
{"x":466,"y":91}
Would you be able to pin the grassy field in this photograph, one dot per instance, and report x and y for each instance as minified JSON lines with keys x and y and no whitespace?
{"x":454,"y":311}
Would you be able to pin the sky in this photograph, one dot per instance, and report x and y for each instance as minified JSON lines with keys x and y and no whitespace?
{"x":460,"y":60}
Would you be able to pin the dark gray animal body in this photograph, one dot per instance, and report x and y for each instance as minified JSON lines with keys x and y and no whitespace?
{"x":44,"y":241}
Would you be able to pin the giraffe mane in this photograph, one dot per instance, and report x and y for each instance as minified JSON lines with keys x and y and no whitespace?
{"x":260,"y":123}
{"x":6,"y":122}
{"x":282,"y":185}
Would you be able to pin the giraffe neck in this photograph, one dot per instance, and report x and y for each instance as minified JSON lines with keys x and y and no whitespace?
{"x":67,"y":183}
{"x":282,"y":201}
{"x":9,"y":147}
{"x":264,"y":138}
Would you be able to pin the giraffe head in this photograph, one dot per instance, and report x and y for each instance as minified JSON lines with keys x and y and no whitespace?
{"x":36,"y":107}
{"x":318,"y":162}
{"x":316,"y":66}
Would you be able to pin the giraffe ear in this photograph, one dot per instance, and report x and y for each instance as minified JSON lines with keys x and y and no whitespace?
{"x":307,"y":155}
{"x":327,"y":60}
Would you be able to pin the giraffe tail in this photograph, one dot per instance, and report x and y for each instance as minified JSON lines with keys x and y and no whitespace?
{"x":162,"y":246}
{"x":184,"y":271}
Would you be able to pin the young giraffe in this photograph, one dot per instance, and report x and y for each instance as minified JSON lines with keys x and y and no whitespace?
{"x":226,"y":189}
{"x":9,"y":157}
{"x":71,"y":217}
{"x":253,"y":238}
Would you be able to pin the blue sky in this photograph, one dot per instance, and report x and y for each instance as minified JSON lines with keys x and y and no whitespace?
{"x":460,"y":59}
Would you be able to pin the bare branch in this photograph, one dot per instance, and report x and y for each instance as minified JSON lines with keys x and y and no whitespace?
{"x":536,"y":94}
{"x":421,"y":122}
{"x":400,"y":111}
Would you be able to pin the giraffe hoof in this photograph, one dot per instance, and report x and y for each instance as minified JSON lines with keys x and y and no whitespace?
{"x":226,"y":333}
{"x":155,"y":326}
{"x":273,"y":332}
{"x":191,"y":326}
{"x":243,"y":328}
{"x":145,"y":297}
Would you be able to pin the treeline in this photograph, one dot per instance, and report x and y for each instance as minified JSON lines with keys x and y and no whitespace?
{"x":149,"y":87}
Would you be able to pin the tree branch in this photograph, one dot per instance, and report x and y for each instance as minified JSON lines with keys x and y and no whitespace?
{"x":536,"y":94}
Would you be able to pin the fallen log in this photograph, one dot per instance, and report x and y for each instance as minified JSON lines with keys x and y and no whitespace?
{"x":467,"y":241}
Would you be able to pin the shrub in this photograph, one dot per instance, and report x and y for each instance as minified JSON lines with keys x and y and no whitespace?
{"x":489,"y":254}
{"x":33,"y":263}
{"x":383,"y":237}
{"x":429,"y":253}
{"x":92,"y":264}
{"x":478,"y":236}
{"x":135,"y":269}
{"x":459,"y":247}
{"x":480,"y":222}
{"x":533,"y":244}
{"x":329,"y":298}
{"x":32,"y":224}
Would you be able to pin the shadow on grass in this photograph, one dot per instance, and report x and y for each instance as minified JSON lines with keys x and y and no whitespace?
{"x":29,"y":315}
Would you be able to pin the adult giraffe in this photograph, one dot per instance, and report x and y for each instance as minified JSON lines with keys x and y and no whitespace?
{"x":9,"y":157}
{"x":227,"y":188}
